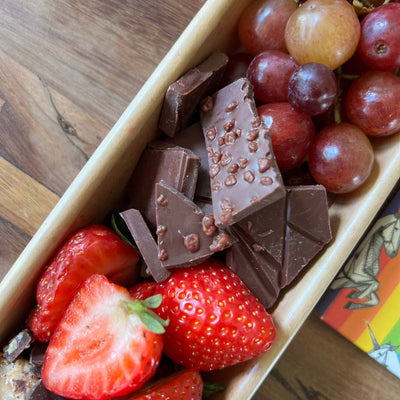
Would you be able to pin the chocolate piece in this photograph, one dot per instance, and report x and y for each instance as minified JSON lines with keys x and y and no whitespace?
{"x":243,"y":171}
{"x":274,"y":244}
{"x":187,"y":236}
{"x":17,"y":345}
{"x":192,"y":138}
{"x":161,"y":161}
{"x":258,"y":271}
{"x":308,"y":228}
{"x":145,"y":243}
{"x":183,"y":96}
{"x":36,"y":356}
{"x":39,"y":392}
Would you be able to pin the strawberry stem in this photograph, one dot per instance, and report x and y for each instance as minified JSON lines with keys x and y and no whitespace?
{"x":142,"y":308}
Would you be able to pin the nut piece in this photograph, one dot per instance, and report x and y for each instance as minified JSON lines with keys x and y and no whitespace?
{"x":208,"y":224}
{"x":192,"y":242}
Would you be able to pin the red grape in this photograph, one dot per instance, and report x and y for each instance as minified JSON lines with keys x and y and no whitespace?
{"x":323,"y":31}
{"x":312,"y":88}
{"x":269,"y":73}
{"x":262,"y":25}
{"x":379,"y":44}
{"x":291,"y":133}
{"x":341,"y":158}
{"x":373,"y":103}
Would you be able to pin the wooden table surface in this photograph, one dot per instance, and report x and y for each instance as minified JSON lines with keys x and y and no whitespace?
{"x":68,"y":69}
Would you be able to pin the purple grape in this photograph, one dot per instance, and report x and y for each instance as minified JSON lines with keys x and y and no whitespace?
{"x":312,"y":88}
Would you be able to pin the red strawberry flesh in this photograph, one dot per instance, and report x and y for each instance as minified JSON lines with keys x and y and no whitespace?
{"x":93,"y":250}
{"x":100,"y":349}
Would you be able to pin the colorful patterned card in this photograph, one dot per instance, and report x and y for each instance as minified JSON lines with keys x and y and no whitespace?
{"x":363,"y":301}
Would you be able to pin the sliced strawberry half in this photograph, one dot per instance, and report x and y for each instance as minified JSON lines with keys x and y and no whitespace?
{"x":101,"y":348}
{"x":92,"y":250}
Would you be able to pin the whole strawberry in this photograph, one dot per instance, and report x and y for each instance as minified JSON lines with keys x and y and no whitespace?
{"x":186,"y":384}
{"x":107,"y":344}
{"x":92,"y":250}
{"x":215,"y":321}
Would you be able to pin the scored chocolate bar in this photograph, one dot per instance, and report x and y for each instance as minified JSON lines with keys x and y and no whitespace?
{"x":273,"y":245}
{"x":242,"y":167}
{"x":186,"y":236}
{"x":184,"y":95}
{"x":161,"y":161}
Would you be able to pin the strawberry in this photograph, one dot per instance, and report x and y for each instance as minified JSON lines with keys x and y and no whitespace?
{"x":183,"y":385}
{"x":215,"y":321}
{"x":92,"y":250}
{"x":102,"y":346}
{"x":143,"y":290}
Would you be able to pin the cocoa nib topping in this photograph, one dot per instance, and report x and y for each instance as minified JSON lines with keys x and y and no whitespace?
{"x":257,"y":248}
{"x":214,"y":169}
{"x":225,"y":159}
{"x":221,"y":242}
{"x":207,"y":104}
{"x":161,"y":229}
{"x":233,"y":168}
{"x":226,"y":217}
{"x":162,"y":200}
{"x":249,"y":176}
{"x":231,"y":106}
{"x":256,"y":122}
{"x":162,"y":255}
{"x":230,"y":138}
{"x":266,"y":180}
{"x":216,"y":157}
{"x":228,"y":126}
{"x":208,"y":225}
{"x":217,"y":185}
{"x":243,"y":162}
{"x":253,"y":134}
{"x":253,"y":146}
{"x":192,"y":242}
{"x":263,"y":164}
{"x":211,"y":133}
{"x":230,"y":180}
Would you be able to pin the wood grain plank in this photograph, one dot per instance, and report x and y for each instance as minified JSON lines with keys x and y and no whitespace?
{"x":12,"y":242}
{"x":320,"y":364}
{"x":42,"y":132}
{"x":97,"y":53}
{"x":24,"y":202}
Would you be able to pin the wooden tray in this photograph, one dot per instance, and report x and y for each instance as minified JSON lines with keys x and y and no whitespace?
{"x":100,"y":185}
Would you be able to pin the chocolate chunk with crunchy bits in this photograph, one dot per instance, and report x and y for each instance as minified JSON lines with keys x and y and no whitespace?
{"x":17,"y":345}
{"x":186,"y":236}
{"x":243,"y":171}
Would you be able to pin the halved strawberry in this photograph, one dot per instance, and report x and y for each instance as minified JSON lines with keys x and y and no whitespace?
{"x":92,"y":250}
{"x":186,"y":384}
{"x":215,"y":321}
{"x":101,"y":348}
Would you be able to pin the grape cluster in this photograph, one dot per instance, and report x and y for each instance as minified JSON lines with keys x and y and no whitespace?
{"x":326,"y":78}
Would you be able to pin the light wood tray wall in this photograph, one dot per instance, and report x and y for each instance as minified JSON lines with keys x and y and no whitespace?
{"x":101,"y":183}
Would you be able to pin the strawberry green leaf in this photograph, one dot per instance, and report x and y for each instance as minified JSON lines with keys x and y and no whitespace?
{"x":149,"y":318}
{"x":153,"y":301}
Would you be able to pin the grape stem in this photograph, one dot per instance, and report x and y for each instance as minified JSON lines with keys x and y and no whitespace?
{"x":340,"y":77}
